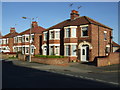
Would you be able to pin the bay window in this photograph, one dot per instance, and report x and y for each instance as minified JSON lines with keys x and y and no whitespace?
{"x":57,"y":34}
{"x":67,"y":50}
{"x":67,"y":30}
{"x":73,"y":50}
{"x":73,"y":32}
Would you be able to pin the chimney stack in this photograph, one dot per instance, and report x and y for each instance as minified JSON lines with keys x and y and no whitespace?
{"x":34,"y":24}
{"x":74,"y":14}
{"x":12,"y":30}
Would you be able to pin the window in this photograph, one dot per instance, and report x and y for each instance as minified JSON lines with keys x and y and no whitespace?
{"x":23,"y":38}
{"x":56,"y":50}
{"x":51,"y":50}
{"x":67,"y":30}
{"x":84,"y":31}
{"x":27,"y":50}
{"x":105,"y":35}
{"x":0,"y":41}
{"x":57,"y":34}
{"x":27,"y":38}
{"x":23,"y":50}
{"x":73,"y":32}
{"x":4,"y":41}
{"x":51,"y":34}
{"x":32,"y":37}
{"x":73,"y":50}
{"x":7,"y":40}
{"x":67,"y":50}
{"x":15,"y":39}
{"x":45,"y":36}
{"x":19,"y":39}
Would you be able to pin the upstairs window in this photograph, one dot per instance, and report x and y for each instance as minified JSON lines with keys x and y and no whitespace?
{"x":84,"y":32}
{"x":57,"y":34}
{"x":51,"y":34}
{"x":45,"y":36}
{"x":73,"y":32}
{"x":67,"y":30}
{"x":105,"y":35}
{"x":27,"y":38}
{"x":32,"y":36}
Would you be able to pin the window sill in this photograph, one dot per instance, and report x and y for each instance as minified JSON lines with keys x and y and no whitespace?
{"x":70,"y":37}
{"x":84,"y":36}
{"x":54,"y":39}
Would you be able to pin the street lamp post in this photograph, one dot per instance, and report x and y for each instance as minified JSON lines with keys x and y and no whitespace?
{"x":29,"y":37}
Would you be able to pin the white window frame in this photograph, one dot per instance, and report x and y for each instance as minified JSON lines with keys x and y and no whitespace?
{"x":71,"y":30}
{"x":50,"y":34}
{"x":72,"y":50}
{"x":18,"y":39}
{"x":105,"y":35}
{"x":65,"y":44}
{"x":45,"y":37}
{"x":57,"y":34}
{"x":58,"y":48}
{"x":82,"y":26}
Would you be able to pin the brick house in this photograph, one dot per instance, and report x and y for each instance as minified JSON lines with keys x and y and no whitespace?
{"x":79,"y":38}
{"x":6,"y":41}
{"x":22,"y":41}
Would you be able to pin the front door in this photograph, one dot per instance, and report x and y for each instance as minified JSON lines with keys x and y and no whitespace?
{"x":84,"y":53}
{"x":45,"y":50}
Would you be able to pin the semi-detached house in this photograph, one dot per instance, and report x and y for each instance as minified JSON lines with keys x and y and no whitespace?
{"x":79,"y":37}
{"x":22,"y":40}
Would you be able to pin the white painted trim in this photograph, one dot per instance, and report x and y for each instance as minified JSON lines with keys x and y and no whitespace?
{"x":84,"y":25}
{"x":18,"y":36}
{"x":107,"y":45}
{"x":85,"y":43}
{"x":105,"y":31}
{"x":70,"y":43}
{"x":54,"y":44}
{"x":4,"y":39}
{"x":70,"y":27}
{"x":25,"y":45}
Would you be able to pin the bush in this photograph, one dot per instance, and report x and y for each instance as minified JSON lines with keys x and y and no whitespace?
{"x":51,"y":56}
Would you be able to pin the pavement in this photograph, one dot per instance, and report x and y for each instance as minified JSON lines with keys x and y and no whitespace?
{"x":107,"y":74}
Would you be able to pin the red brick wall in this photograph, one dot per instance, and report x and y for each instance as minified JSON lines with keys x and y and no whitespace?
{"x":11,"y":43}
{"x":113,"y":58}
{"x":53,"y":61}
{"x":37,"y":43}
{"x":70,"y":40}
{"x":102,"y":43}
{"x":54,"y":41}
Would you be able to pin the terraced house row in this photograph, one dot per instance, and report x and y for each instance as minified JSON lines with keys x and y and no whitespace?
{"x":79,"y":38}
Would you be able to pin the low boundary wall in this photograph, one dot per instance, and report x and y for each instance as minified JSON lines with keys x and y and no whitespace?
{"x":113,"y":58}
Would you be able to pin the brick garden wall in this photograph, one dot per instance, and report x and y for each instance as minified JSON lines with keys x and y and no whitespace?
{"x":53,"y":61}
{"x":6,"y":56}
{"x":113,"y":58}
{"x":22,"y":57}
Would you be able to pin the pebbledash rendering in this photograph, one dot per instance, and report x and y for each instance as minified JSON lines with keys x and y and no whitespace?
{"x":79,"y":38}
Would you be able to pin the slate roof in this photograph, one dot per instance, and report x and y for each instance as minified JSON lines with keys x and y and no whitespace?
{"x":78,"y":21}
{"x":34,"y":30}
{"x":10,"y":35}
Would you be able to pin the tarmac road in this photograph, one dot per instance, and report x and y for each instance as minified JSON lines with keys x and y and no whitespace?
{"x":15,"y":76}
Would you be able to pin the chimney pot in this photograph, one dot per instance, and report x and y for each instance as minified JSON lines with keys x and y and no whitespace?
{"x":74,"y":14}
{"x":12,"y":30}
{"x":34,"y":24}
